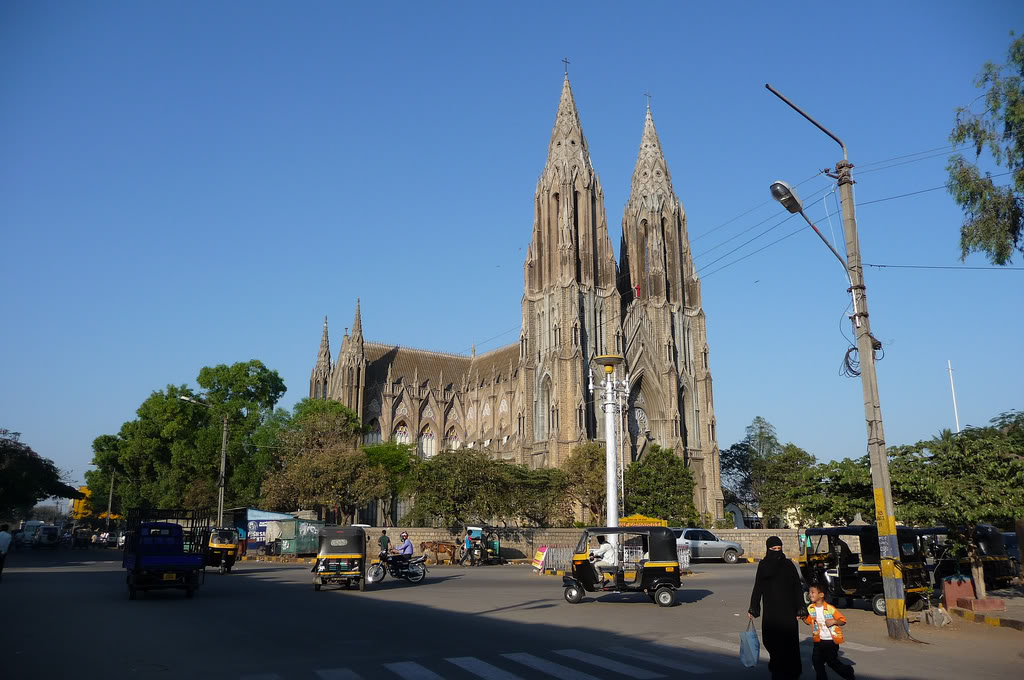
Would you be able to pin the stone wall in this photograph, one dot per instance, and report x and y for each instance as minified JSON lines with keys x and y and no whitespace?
{"x":753,"y":540}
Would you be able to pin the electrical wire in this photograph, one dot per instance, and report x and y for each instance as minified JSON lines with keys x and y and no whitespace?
{"x":941,"y":266}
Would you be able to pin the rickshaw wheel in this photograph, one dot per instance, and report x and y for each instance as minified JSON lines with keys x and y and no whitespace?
{"x":316,"y":587}
{"x":573,"y":594}
{"x":878,"y":604}
{"x":362,"y":584}
{"x":665,"y":596}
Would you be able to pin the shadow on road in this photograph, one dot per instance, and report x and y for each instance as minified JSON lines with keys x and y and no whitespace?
{"x":290,"y":630}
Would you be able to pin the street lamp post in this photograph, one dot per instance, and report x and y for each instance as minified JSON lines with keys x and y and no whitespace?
{"x":892,"y":581}
{"x":223,"y":458}
{"x":610,"y":407}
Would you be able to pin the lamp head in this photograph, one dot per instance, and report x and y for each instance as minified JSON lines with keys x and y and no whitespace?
{"x":786,"y":195}
{"x":609,"y":361}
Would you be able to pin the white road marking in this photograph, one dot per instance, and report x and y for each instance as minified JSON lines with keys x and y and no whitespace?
{"x":659,"y":660}
{"x":412,"y":671}
{"x":860,"y":648}
{"x":608,"y":664}
{"x":722,"y":644}
{"x":549,"y":667}
{"x":337,"y":674}
{"x":482,"y":668}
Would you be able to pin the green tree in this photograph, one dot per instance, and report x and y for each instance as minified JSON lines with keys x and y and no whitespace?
{"x":27,"y":478}
{"x":960,"y":481}
{"x":735,"y":464}
{"x":777,"y":480}
{"x":835,"y":491}
{"x":391,"y":468}
{"x":993,"y":214}
{"x":456,"y":487}
{"x":320,"y":461}
{"x":585,"y":472}
{"x":537,"y":497}
{"x":661,"y":486}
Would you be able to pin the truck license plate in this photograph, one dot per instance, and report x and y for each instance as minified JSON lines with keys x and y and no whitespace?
{"x":170,"y":577}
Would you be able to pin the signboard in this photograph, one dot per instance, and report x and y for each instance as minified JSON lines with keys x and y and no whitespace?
{"x":538,"y":559}
{"x":642,"y":521}
{"x":257,"y":532}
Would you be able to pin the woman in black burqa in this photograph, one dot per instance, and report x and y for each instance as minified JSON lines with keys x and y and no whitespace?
{"x":778,"y":585}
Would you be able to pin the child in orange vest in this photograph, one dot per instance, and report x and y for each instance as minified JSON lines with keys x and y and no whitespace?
{"x":828,"y":635}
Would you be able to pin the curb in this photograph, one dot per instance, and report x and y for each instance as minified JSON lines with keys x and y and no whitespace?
{"x":996,"y":621}
{"x":562,"y":572}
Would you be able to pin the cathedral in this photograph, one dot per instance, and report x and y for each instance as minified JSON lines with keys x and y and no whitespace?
{"x":529,"y":402}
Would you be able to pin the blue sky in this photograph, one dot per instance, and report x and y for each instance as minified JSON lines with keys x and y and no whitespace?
{"x":186,"y":184}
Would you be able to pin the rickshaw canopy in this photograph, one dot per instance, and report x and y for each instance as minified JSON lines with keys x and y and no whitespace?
{"x":661,"y":542}
{"x":342,"y":542}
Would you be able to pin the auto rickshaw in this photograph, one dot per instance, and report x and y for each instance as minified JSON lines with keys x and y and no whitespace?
{"x":80,"y":538}
{"x":486,"y":546}
{"x":647,"y":562}
{"x":943,"y":560}
{"x":222,"y":548}
{"x":846,"y":562}
{"x":341,"y":558}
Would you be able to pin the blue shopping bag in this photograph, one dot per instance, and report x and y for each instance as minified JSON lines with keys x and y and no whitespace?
{"x":750,"y":646}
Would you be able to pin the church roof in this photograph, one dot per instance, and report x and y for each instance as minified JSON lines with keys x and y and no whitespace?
{"x":409,"y":364}
{"x":567,"y":141}
{"x":651,"y":170}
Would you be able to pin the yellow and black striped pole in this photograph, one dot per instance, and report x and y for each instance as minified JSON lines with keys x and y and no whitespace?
{"x":885,"y":516}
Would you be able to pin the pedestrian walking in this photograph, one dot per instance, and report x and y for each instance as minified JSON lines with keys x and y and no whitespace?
{"x":5,"y":545}
{"x":467,"y":549}
{"x":777,"y":586}
{"x":828,"y":635}
{"x":384,"y":541}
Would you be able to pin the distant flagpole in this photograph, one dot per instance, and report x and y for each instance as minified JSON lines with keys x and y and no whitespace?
{"x":952,"y":387}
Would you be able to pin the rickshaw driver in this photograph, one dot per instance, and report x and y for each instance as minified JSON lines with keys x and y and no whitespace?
{"x":606,"y":554}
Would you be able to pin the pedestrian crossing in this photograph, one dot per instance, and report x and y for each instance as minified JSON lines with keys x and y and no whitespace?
{"x":699,"y":655}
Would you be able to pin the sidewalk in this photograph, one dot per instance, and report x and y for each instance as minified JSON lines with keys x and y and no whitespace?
{"x":1013,"y":617}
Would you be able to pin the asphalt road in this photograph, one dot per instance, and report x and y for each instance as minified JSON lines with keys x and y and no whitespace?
{"x":67,"y":615}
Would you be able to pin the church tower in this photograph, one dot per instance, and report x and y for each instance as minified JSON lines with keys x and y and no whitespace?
{"x":571,"y":306}
{"x":666,"y":349}
{"x":321,"y":376}
{"x":349,"y":373}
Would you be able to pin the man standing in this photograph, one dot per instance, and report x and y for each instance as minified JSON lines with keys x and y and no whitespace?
{"x":467,"y":549}
{"x":384,"y":542}
{"x":5,"y":544}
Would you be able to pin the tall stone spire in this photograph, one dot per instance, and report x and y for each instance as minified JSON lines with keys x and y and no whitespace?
{"x":567,"y":141}
{"x":653,"y":227}
{"x":357,"y":323}
{"x":321,"y":375}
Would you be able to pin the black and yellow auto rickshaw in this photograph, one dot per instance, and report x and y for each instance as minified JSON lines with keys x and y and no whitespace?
{"x":645,"y":562}
{"x":846,"y":561}
{"x":944,"y":559}
{"x":222,"y":548}
{"x":341,"y":558}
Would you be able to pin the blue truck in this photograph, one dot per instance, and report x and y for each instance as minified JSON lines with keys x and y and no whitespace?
{"x":164,"y":549}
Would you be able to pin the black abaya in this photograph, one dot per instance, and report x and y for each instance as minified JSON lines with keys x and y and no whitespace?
{"x":778,"y":585}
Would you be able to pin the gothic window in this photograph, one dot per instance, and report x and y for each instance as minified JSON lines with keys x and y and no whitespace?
{"x":373,"y":436}
{"x":705,"y":353}
{"x":579,"y":417}
{"x":712,"y":428}
{"x":451,"y":440}
{"x":401,"y":434}
{"x":575,"y":335}
{"x":618,"y":341}
{"x":427,"y":442}
{"x":486,"y":411}
{"x":543,"y":407}
{"x":558,"y":337}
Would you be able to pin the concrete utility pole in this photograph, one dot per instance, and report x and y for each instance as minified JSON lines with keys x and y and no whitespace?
{"x":110,"y":498}
{"x":892,"y":579}
{"x":223,"y":458}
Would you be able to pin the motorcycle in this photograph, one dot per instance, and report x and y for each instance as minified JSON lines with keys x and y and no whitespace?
{"x":412,"y":570}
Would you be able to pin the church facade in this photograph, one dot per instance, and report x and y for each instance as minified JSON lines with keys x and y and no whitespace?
{"x":529,"y":402}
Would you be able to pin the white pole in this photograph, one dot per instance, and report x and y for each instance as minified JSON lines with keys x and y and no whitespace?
{"x":952,"y":387}
{"x":611,"y":459}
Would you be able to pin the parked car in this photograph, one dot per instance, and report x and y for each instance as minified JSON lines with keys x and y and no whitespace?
{"x":705,"y":545}
{"x":46,"y":537}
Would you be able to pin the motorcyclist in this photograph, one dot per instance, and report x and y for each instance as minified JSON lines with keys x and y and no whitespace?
{"x":403,"y":553}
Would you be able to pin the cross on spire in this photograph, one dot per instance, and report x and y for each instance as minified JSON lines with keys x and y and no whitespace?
{"x":565,"y":60}
{"x":648,"y":95}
